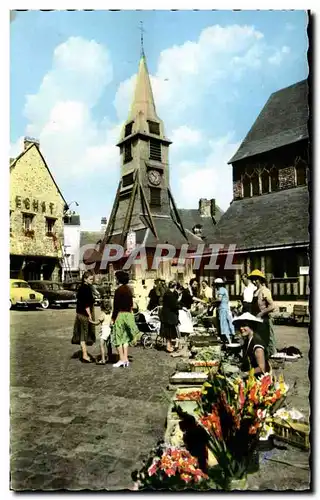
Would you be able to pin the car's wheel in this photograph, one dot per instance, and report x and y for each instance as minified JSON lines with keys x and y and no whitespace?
{"x":45,"y":304}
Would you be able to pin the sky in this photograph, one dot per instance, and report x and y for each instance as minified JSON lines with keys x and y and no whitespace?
{"x":72,"y":77}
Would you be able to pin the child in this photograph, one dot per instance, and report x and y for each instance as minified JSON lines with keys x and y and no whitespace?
{"x":105,"y":331}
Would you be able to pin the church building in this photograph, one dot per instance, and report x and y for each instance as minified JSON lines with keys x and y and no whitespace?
{"x":268,"y":218}
{"x":144,"y":206}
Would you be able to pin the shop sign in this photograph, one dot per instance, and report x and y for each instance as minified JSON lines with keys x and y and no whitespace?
{"x":34,"y":205}
{"x":304,"y":270}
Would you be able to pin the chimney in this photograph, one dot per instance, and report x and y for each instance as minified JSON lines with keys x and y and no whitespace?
{"x":207,"y":208}
{"x":30,"y":140}
{"x":103,"y":224}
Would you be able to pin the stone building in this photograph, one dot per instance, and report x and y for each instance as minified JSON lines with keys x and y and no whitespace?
{"x":144,"y":205}
{"x":268,"y":219}
{"x":36,"y":217}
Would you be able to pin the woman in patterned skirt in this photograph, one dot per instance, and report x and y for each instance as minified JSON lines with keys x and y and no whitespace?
{"x":125,"y":330}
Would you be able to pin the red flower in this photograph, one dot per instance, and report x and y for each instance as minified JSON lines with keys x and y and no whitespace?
{"x":265,"y":384}
{"x":241,"y":395}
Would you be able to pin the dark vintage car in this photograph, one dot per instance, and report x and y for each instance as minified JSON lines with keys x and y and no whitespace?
{"x":54,"y":293}
{"x":74,"y":285}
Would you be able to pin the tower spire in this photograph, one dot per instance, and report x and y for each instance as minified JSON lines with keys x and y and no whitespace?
{"x":141,"y":38}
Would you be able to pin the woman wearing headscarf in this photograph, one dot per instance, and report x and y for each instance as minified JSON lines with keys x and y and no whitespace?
{"x":262,"y":306}
{"x":169,"y":316}
{"x":254,"y":354}
{"x":124,"y":329}
{"x":84,"y":326}
{"x":223,"y":308}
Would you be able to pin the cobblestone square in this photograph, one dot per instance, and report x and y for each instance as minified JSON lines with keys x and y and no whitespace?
{"x":75,"y":426}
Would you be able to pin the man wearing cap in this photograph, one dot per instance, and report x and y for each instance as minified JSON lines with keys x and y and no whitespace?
{"x":254,"y":351}
{"x":223,"y":308}
{"x":262,"y":306}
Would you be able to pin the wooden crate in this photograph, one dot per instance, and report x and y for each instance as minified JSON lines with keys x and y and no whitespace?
{"x":194,"y":363}
{"x":295,"y":433}
{"x":188,"y":378}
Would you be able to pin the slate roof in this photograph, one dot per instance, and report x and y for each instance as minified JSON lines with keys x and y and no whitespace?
{"x":191,"y":217}
{"x":282,"y":121}
{"x":90,"y":237}
{"x":275,"y":219}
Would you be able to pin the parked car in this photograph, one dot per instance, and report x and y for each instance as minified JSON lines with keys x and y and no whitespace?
{"x":55,"y":293}
{"x":21,"y":294}
{"x":74,"y":285}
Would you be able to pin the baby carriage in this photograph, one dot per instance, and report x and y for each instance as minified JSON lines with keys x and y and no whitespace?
{"x":149,"y":324}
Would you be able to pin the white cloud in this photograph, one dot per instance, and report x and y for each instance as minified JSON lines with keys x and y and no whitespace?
{"x":79,"y":147}
{"x":185,"y":71}
{"x":210,"y":179}
{"x":60,"y":113}
{"x":279,"y":55}
{"x":185,"y":137}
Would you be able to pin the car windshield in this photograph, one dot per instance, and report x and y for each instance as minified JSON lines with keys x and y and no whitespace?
{"x":20,"y":285}
{"x":56,"y":286}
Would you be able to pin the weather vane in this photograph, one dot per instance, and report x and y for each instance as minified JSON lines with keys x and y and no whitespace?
{"x":141,"y":37}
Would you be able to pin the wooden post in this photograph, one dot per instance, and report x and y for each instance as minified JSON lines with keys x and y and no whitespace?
{"x":248,"y":265}
{"x":263,"y":264}
{"x":238,"y":282}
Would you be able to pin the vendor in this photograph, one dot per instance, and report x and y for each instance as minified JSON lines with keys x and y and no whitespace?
{"x":262,"y":306}
{"x":254,"y":350}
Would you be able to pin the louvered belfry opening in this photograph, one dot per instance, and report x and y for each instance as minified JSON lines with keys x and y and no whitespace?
{"x":127,"y":180}
{"x":155,"y":197}
{"x":154,"y":128}
{"x":127,"y":152}
{"x":128,"y":129}
{"x":155,"y":150}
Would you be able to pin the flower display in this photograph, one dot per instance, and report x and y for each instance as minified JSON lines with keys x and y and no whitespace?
{"x":233,"y":413}
{"x":171,"y":468}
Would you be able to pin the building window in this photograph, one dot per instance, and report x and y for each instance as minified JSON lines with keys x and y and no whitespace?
{"x":246,"y":187}
{"x":128,"y":129}
{"x":274,"y":179}
{"x":154,"y":128}
{"x":155,"y":197}
{"x":265,"y":182}
{"x":27,"y":222}
{"x":49,"y":226}
{"x":301,"y":173}
{"x":127,"y":152}
{"x":155,"y":150}
{"x":127,"y":180}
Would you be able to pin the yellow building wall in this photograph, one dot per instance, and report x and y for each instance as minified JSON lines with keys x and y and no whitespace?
{"x":31,"y":182}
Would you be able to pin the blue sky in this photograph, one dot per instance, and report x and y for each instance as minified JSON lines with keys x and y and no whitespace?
{"x":72,"y":78}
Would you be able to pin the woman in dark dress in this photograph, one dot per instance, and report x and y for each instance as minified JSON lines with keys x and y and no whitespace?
{"x":84,"y":328}
{"x":169,"y":316}
{"x":254,"y":350}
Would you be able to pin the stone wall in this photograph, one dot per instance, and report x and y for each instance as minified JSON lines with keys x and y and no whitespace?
{"x":287,"y":178}
{"x":32,"y":190}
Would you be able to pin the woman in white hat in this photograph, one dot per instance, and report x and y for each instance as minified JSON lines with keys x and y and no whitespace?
{"x":254,"y":351}
{"x":223,"y":309}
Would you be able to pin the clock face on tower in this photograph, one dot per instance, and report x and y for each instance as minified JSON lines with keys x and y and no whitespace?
{"x":154,"y":177}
